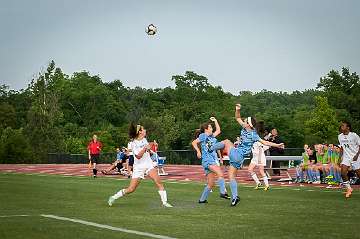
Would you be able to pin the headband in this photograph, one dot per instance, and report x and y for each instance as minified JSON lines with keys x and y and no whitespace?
{"x":249,"y":122}
{"x":138,"y":127}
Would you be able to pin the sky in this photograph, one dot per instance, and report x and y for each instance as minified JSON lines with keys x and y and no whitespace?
{"x":277,"y":45}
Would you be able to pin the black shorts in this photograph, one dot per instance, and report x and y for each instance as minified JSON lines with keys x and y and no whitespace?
{"x":131,"y":160}
{"x":94,"y":158}
{"x":119,"y":165}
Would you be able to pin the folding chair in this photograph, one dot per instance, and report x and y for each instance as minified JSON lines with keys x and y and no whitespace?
{"x":161,"y":162}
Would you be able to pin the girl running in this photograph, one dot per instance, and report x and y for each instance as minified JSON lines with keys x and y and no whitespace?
{"x":209,"y":160}
{"x":143,"y":165}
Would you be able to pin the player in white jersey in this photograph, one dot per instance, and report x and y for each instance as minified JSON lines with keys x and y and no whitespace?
{"x":350,"y":144}
{"x":259,"y":159}
{"x":143,"y":165}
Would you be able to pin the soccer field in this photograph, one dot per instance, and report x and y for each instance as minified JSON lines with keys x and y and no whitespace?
{"x":52,"y":206}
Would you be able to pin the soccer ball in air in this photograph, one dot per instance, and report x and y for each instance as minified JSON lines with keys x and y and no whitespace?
{"x":151,"y":29}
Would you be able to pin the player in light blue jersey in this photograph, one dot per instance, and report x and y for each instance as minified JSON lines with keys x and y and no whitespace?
{"x":248,"y":137}
{"x":209,"y":159}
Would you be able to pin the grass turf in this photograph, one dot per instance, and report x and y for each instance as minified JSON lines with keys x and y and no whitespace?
{"x":278,"y":213}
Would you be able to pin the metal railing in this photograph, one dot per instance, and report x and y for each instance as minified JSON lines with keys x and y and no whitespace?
{"x":187,"y":157}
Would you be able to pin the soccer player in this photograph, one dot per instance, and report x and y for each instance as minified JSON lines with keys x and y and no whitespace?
{"x":143,"y":165}
{"x":350,"y":145}
{"x":248,"y":136}
{"x":94,"y":149}
{"x":259,"y":159}
{"x":303,"y":166}
{"x":209,"y":159}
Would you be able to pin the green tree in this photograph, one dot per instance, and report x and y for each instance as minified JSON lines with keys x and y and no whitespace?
{"x":323,"y":124}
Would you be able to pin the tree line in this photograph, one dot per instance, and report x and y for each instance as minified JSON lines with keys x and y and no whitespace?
{"x":58,"y":113}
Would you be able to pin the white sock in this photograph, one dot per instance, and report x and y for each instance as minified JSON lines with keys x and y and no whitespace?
{"x":119,"y":194}
{"x":347,"y":184}
{"x":163,"y":196}
{"x":256,"y":179}
{"x":266,"y":181}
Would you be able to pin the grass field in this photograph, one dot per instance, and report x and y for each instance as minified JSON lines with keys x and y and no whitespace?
{"x":279,"y":213}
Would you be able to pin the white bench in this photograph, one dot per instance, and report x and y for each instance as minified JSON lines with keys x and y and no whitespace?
{"x":289,"y":159}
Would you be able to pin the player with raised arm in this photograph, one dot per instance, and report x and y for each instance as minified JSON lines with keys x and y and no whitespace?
{"x":207,"y":152}
{"x":143,"y":165}
{"x":350,"y":145}
{"x":248,"y":136}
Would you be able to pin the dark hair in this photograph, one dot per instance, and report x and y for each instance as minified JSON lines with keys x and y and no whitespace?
{"x":197,"y":133}
{"x":348,"y":124}
{"x":134,"y":130}
{"x":253,"y":122}
{"x":204,"y":126}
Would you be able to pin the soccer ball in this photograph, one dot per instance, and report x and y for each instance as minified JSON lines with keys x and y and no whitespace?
{"x":151,"y":29}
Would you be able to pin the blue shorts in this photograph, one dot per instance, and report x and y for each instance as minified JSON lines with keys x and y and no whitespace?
{"x":236,"y":158}
{"x":206,"y":164}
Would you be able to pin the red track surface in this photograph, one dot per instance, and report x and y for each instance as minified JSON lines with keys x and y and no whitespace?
{"x":184,"y":173}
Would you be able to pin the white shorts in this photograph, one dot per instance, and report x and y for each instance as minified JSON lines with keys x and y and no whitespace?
{"x":259,"y":159}
{"x":141,"y":172}
{"x":355,"y":165}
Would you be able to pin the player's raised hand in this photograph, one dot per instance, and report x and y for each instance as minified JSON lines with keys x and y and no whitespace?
{"x":213,"y":119}
{"x":237,"y":106}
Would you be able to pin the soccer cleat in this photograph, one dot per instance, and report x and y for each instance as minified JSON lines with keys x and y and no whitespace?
{"x":266,"y":188}
{"x":317,"y":182}
{"x":235,"y":201}
{"x":205,"y":201}
{"x":94,"y":176}
{"x":259,"y":185}
{"x":225,"y":196}
{"x":167,"y":204}
{"x":111,"y":201}
{"x":348,"y":192}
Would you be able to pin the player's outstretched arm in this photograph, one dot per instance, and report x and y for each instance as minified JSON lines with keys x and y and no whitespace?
{"x":272,"y":144}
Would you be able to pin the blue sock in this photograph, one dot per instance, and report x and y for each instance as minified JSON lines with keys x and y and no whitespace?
{"x":205,"y":194}
{"x":309,"y":174}
{"x":332,"y":171}
{"x":297,"y":173}
{"x":336,"y":179}
{"x":221,"y":183}
{"x":233,"y":187}
{"x":317,"y":173}
{"x":339,"y":176}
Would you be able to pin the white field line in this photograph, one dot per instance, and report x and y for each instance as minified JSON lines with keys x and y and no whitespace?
{"x":4,"y":216}
{"x":107,"y":227}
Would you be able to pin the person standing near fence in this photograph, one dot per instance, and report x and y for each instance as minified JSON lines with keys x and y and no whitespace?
{"x":275,"y":151}
{"x":94,"y":149}
{"x":209,"y":159}
{"x":143,"y":165}
{"x":350,"y":145}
